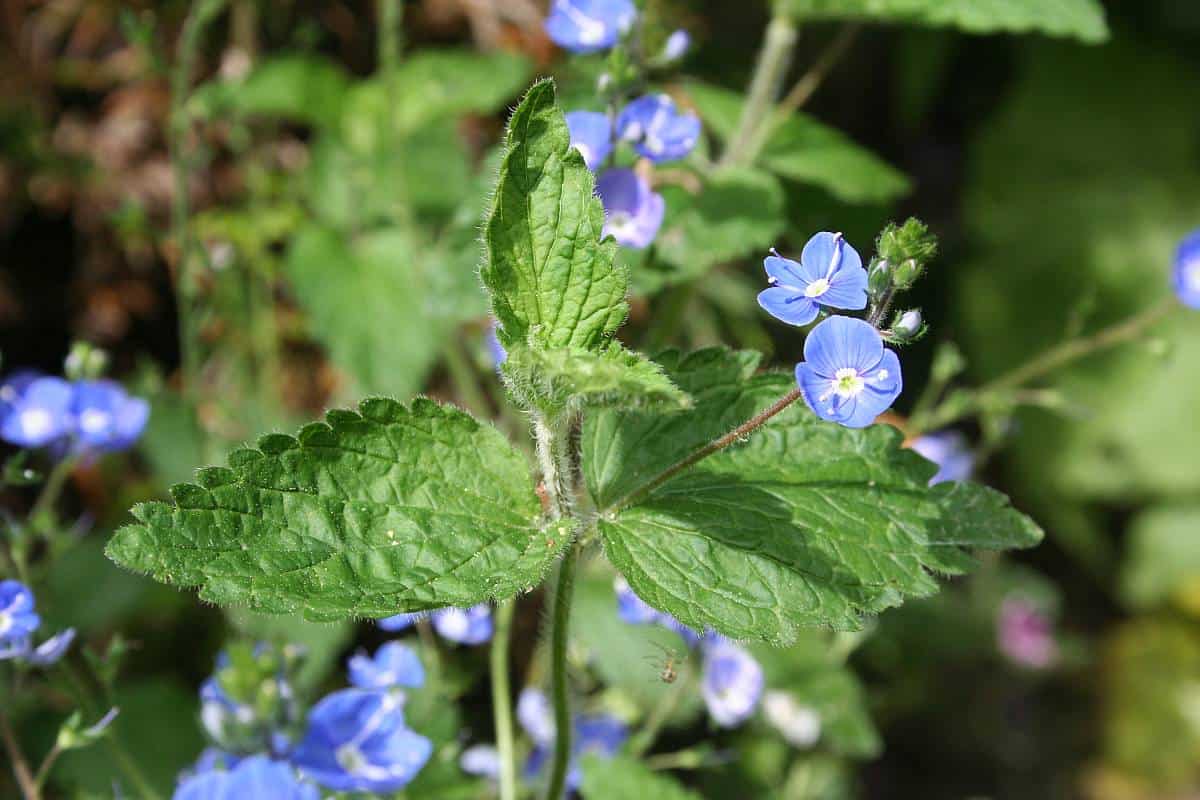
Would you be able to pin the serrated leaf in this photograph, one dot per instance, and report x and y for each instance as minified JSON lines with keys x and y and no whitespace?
{"x":553,"y":282}
{"x":735,"y":213}
{"x":807,"y":151}
{"x":553,"y":379}
{"x":371,"y":513}
{"x":805,"y":524}
{"x":623,"y":778}
{"x":1080,"y":19}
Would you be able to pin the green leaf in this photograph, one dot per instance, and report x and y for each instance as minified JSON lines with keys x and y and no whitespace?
{"x":624,"y":778}
{"x":735,"y":213}
{"x":297,"y":86}
{"x":1080,"y":19}
{"x":614,"y":376}
{"x":1164,"y":558}
{"x":552,"y":282}
{"x":369,"y":514}
{"x":807,"y":151}
{"x":805,"y":524}
{"x":369,"y":303}
{"x":450,"y":82}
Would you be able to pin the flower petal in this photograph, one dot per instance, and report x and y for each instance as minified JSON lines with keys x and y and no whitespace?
{"x":847,"y":289}
{"x":786,"y":305}
{"x":785,"y":272}
{"x":819,"y":253}
{"x":841,"y":342}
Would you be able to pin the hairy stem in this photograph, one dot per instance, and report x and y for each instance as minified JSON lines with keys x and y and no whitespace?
{"x":773,"y":62}
{"x":563,"y":591}
{"x":1053,"y":359}
{"x":502,"y":713}
{"x":20,"y":767}
{"x":745,"y":429}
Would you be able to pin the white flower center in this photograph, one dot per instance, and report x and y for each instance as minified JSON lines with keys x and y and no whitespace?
{"x":454,"y":624}
{"x":848,"y":383}
{"x":351,"y":759}
{"x":94,"y":421}
{"x":591,"y":31}
{"x":6,"y":622}
{"x":36,"y":422}
{"x":817,"y":288}
{"x":1191,"y":275}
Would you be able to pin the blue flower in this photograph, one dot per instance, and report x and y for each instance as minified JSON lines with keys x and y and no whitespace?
{"x":257,"y":776}
{"x":847,"y":375}
{"x":51,"y":650}
{"x":636,"y":611}
{"x":464,"y":625}
{"x":36,"y":411}
{"x":106,"y":417}
{"x":732,"y":683}
{"x":591,"y":135}
{"x":18,"y":620}
{"x":595,"y":734}
{"x":830,"y":274}
{"x":392,"y":665}
{"x":399,"y":622}
{"x":657,"y":130}
{"x":242,"y":727}
{"x":588,"y":26}
{"x":676,"y":47}
{"x":481,"y":760}
{"x":1187,"y":271}
{"x":633,"y":213}
{"x":949,"y":450}
{"x":536,"y":716}
{"x":357,"y":742}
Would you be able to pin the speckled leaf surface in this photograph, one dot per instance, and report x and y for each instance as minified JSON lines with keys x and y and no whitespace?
{"x":370,"y":513}
{"x":553,"y":283}
{"x":804,"y":524}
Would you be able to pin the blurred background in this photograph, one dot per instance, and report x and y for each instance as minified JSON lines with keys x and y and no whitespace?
{"x":336,"y":171}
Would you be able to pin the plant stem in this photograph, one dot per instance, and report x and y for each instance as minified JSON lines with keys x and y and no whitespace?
{"x":773,"y":62}
{"x":563,"y":591}
{"x":502,"y":698}
{"x":52,"y":489}
{"x":200,"y":14}
{"x":721,"y":443}
{"x":803,"y":90}
{"x":1049,"y":361}
{"x":47,"y":764}
{"x":20,"y":767}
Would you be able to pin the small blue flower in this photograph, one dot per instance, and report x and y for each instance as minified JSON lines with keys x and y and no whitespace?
{"x":242,"y":727}
{"x":536,"y":716}
{"x":51,"y":650}
{"x":633,"y":213}
{"x":498,"y":355}
{"x":657,"y":130}
{"x":356,"y":741}
{"x":591,"y":135}
{"x":732,"y":683}
{"x":399,"y":622}
{"x":464,"y":625}
{"x":830,"y":274}
{"x":595,"y":734}
{"x":106,"y":417}
{"x":1187,"y":271}
{"x":588,"y":26}
{"x":18,"y":620}
{"x":676,"y":47}
{"x":949,"y":450}
{"x":256,"y":776}
{"x":847,"y":375}
{"x":481,"y":760}
{"x":36,"y":412}
{"x":392,"y":665}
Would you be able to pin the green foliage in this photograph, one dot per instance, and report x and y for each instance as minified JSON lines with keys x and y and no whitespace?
{"x":1163,"y":563}
{"x":550,"y":379}
{"x":299,"y":87}
{"x":552,"y":282}
{"x":624,"y":778}
{"x":735,"y":213}
{"x":804,"y":150}
{"x":372,"y":513}
{"x":1120,"y":200}
{"x":805,"y":524}
{"x":1080,"y":19}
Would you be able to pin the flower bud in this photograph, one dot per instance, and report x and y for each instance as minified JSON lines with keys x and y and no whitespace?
{"x":85,"y":362}
{"x":879,"y":278}
{"x":604,"y":83}
{"x":676,"y":47}
{"x":908,"y":325}
{"x":907,"y":273}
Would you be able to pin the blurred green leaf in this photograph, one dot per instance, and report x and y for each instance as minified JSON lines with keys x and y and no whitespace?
{"x":1163,"y":563}
{"x":1080,"y":19}
{"x":323,"y":642}
{"x":1066,"y":200}
{"x":805,"y":150}
{"x":623,"y":778}
{"x":301,"y":87}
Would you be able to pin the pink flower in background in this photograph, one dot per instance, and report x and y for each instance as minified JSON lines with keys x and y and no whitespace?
{"x":1025,"y":634}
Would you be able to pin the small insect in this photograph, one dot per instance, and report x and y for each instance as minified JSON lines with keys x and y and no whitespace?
{"x":668,"y":673}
